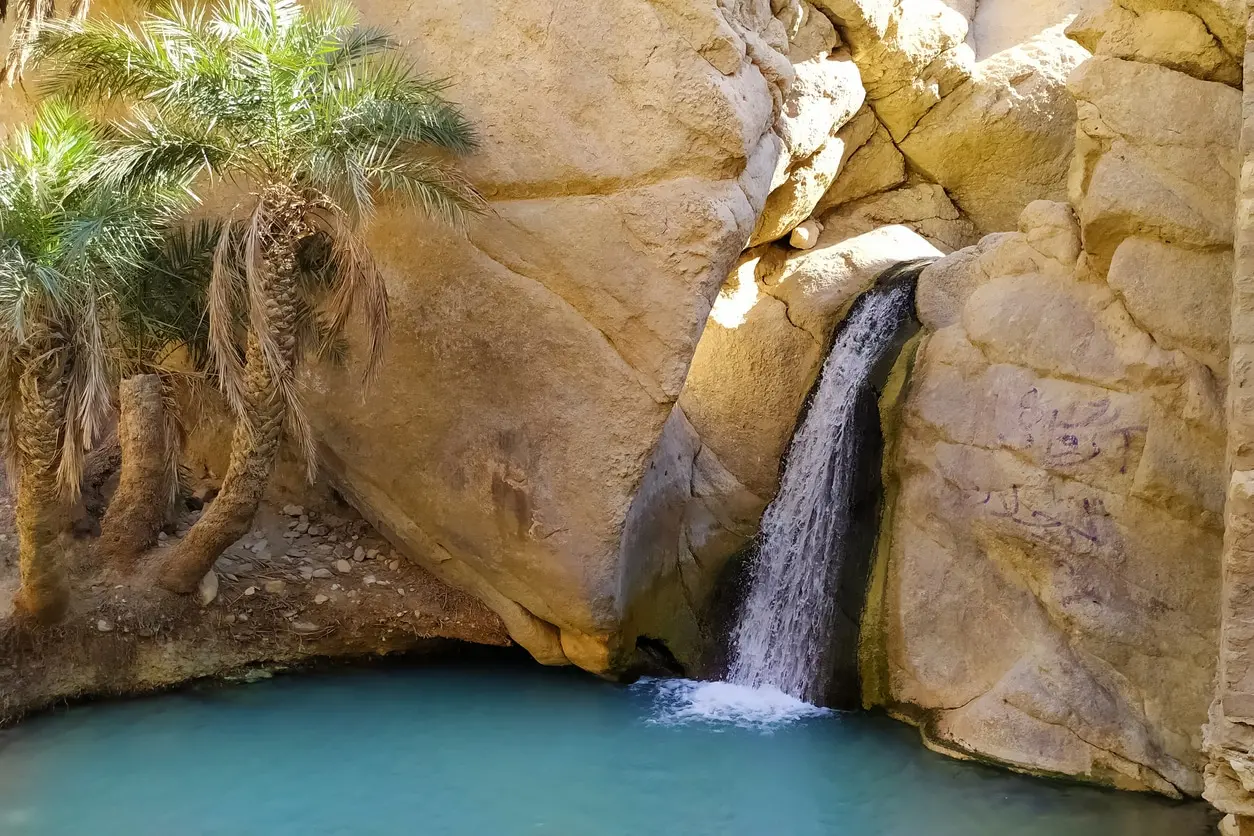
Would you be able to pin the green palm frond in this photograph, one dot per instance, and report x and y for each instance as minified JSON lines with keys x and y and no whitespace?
{"x":306,"y":106}
{"x":73,"y":255}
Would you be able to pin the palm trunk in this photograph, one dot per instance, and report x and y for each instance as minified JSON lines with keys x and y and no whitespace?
{"x":141,"y":504}
{"x":257,"y":440}
{"x":42,"y":512}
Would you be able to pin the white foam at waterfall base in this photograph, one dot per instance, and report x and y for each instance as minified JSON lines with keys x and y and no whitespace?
{"x":684,"y":701}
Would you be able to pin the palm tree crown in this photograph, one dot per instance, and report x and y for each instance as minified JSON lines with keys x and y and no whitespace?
{"x":319,"y":115}
{"x":77,"y":309}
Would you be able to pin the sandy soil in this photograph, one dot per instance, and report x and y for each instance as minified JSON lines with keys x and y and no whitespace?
{"x":306,"y":584}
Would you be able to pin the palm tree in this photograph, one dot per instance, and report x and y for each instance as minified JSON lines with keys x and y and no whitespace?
{"x":164,"y":337}
{"x":69,"y":253}
{"x":319,"y":117}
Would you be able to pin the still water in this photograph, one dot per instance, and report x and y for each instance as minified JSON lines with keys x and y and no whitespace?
{"x":512,"y":750}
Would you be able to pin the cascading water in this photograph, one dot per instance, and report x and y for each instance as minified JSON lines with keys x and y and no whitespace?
{"x":783,"y":638}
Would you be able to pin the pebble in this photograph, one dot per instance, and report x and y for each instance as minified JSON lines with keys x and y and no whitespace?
{"x":325,"y":548}
{"x":295,"y":552}
{"x":359,"y":554}
{"x":302,"y":527}
{"x":162,"y":536}
{"x":304,"y":627}
{"x":229,"y":618}
{"x":400,"y":591}
{"x":317,"y":531}
{"x":243,"y":616}
{"x":393,"y":565}
{"x":293,"y":511}
{"x":368,"y":580}
{"x":321,"y":599}
{"x":343,"y":566}
{"x":208,"y":588}
{"x":372,"y":554}
{"x":322,"y":572}
{"x":252,"y":590}
{"x":275,"y":587}
{"x":259,"y":547}
{"x":104,"y":625}
{"x":307,"y":572}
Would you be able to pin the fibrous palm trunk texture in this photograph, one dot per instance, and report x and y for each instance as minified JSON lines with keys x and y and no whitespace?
{"x":41,"y":507}
{"x":146,"y":485}
{"x":259,"y":432}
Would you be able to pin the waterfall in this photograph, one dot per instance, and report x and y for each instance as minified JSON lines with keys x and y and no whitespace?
{"x":783,"y":637}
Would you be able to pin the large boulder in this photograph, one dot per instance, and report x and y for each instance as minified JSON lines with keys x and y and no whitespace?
{"x":1156,"y":156}
{"x":996,"y":134}
{"x":923,"y":207}
{"x":1004,"y":137}
{"x":910,"y":54}
{"x":533,"y":365}
{"x":1048,"y":588}
{"x":1168,"y":37}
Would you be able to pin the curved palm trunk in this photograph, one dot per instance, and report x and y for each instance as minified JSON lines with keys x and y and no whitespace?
{"x":42,"y":512}
{"x":256,"y":443}
{"x":141,"y":503}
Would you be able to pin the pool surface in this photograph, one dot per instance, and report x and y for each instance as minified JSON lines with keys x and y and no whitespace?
{"x":512,"y":750}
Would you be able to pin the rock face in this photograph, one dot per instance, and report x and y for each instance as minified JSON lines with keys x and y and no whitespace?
{"x":1163,"y":166}
{"x":1049,"y":582}
{"x":995,"y":133}
{"x":533,"y":366}
{"x":1005,"y":136}
{"x":1051,"y":576}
